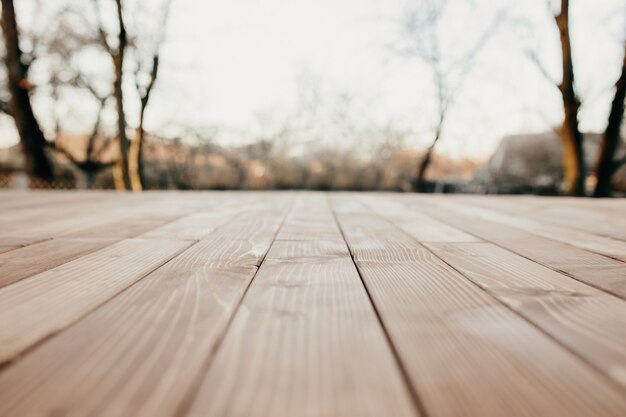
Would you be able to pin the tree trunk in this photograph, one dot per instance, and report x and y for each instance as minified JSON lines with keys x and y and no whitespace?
{"x":135,"y":163}
{"x":573,"y":152}
{"x":135,"y":160}
{"x":121,"y":177}
{"x":612,"y":135}
{"x":33,"y":142}
{"x":420,"y":179}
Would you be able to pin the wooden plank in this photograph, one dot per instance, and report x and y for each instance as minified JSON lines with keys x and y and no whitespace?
{"x":126,"y":227}
{"x":114,"y":218}
{"x":40,"y":257}
{"x":142,"y":353}
{"x":463,"y":350}
{"x":599,"y":244}
{"x":9,"y":243}
{"x":417,"y":225}
{"x":39,"y":306}
{"x":44,"y":211}
{"x":593,"y":269}
{"x":304,"y":342}
{"x":587,"y":321}
{"x":310,"y":219}
{"x":601,"y":217}
{"x":261,"y":222}
{"x":584,"y":319}
{"x":468,"y":355}
{"x":372,"y":238}
{"x":190,"y":227}
{"x":13,"y":200}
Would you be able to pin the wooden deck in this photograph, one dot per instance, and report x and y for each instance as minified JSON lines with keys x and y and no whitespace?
{"x":311,"y":305}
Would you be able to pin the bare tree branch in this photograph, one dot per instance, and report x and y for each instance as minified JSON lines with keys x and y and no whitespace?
{"x":102,"y":35}
{"x":542,"y":69}
{"x":135,"y":161}
{"x":605,"y":166}
{"x":571,"y":137}
{"x":32,"y":139}
{"x":423,"y":26}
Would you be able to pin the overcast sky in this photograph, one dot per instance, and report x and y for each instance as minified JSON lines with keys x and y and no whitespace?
{"x":236,"y":64}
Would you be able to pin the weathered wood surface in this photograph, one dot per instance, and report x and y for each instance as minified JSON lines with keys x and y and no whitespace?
{"x":311,"y":304}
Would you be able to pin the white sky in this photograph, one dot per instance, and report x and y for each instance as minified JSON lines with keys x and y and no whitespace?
{"x":230,"y":64}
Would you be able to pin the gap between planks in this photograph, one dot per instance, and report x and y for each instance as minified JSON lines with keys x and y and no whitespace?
{"x":592,"y":269}
{"x":293,"y":271}
{"x":520,"y":288}
{"x":403,"y":268}
{"x":78,"y":342}
{"x":415,"y":396}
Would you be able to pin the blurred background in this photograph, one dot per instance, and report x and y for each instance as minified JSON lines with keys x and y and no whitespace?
{"x":480,"y":96}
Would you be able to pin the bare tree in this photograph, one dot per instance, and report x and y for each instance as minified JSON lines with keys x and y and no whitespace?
{"x":135,"y":159}
{"x":117,"y":53}
{"x":423,"y":26}
{"x":33,"y":142}
{"x":63,"y":50}
{"x":572,"y":138}
{"x":574,"y":165}
{"x":68,"y":38}
{"x":128,"y":169}
{"x":607,"y":164}
{"x":92,"y":162}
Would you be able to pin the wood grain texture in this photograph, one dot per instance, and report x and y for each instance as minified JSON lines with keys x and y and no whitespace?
{"x":597,"y":216}
{"x":25,"y":220}
{"x":41,"y":305}
{"x":310,"y":219}
{"x":9,"y":243}
{"x":419,"y":226}
{"x":40,"y":257}
{"x":142,"y":353}
{"x":372,"y":238}
{"x":589,"y":241}
{"x":585,"y":320}
{"x":593,"y":269}
{"x":466,"y":354}
{"x":118,"y":217}
{"x":461,"y":306}
{"x":304,"y":342}
{"x":190,"y":227}
{"x":600,"y":217}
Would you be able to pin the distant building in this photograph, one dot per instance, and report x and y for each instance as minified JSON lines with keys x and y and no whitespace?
{"x":532,"y":163}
